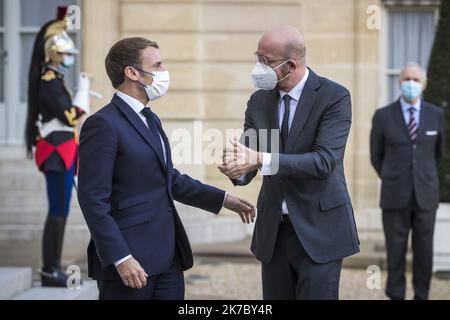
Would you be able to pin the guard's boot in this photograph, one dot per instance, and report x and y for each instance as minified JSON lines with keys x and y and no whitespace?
{"x":51,"y":274}
{"x":61,"y":225}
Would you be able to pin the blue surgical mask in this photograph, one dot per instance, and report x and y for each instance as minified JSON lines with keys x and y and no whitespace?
{"x":411,"y":90}
{"x":68,"y":61}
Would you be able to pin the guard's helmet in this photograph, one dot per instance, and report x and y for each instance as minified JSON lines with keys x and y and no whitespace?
{"x":57,"y":41}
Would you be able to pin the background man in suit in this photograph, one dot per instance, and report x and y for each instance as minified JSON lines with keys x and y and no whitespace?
{"x":406,"y":145}
{"x":305,"y":224}
{"x":127,"y":185}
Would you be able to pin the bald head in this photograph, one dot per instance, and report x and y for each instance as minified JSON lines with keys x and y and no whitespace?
{"x":283,"y":49}
{"x":284,"y":42}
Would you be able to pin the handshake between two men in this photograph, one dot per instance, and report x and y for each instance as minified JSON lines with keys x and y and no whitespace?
{"x":237,"y":161}
{"x":127,"y":190}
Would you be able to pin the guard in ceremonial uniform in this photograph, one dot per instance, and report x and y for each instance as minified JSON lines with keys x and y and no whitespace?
{"x":52,"y":134}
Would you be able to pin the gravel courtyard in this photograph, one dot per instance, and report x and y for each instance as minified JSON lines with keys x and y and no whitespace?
{"x":241,"y":280}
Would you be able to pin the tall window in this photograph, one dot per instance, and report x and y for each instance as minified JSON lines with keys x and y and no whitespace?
{"x":410,"y":39}
{"x":33,"y":14}
{"x":20,"y":21}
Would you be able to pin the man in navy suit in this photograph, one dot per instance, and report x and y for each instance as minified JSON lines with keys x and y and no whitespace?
{"x":300,"y":122}
{"x":127,"y":185}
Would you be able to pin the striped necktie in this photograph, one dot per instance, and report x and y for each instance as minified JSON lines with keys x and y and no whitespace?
{"x":412,"y":125}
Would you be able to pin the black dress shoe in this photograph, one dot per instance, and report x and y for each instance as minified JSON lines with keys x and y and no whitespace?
{"x":55,"y":278}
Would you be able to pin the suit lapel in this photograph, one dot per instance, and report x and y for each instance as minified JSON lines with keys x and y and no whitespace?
{"x":304,"y":107}
{"x":272,"y":112}
{"x":168,"y":152}
{"x":272,"y":105}
{"x":140,"y":127}
{"x":423,"y":118}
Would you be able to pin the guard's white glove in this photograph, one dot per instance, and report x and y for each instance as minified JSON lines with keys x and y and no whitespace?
{"x":81,"y":98}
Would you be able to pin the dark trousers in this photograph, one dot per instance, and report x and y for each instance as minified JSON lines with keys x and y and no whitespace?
{"x":59,"y":193}
{"x":165,"y":286}
{"x":292,"y":274}
{"x":397,"y":225}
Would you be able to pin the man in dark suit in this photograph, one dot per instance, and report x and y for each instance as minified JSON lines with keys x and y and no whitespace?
{"x":406,"y":144}
{"x":128,"y":185}
{"x":305,"y":224}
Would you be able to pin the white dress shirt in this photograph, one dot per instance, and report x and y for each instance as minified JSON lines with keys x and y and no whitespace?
{"x":295,"y":94}
{"x":405,"y":108}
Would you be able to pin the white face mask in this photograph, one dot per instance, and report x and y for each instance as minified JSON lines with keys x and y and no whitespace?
{"x":265,"y":77}
{"x":159,"y":86}
{"x":68,"y":61}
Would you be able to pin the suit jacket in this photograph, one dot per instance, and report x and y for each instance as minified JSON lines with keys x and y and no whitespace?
{"x":126,"y":192}
{"x":310,"y":176}
{"x":404,"y":165}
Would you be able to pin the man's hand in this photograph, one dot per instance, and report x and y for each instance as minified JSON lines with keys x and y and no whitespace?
{"x":239,"y":160}
{"x":132,"y":274}
{"x":242,"y":207}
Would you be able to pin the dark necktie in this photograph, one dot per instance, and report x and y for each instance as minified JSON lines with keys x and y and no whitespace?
{"x":285,"y":123}
{"x":412,"y":125}
{"x":153,"y":128}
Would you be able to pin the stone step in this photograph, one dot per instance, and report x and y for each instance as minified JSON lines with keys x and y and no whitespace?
{"x":37,"y":213}
{"x":87,"y":291}
{"x":13,"y":281}
{"x":19,"y":177}
{"x":17,"y":172}
{"x":28,"y":253}
{"x":12,"y":153}
{"x":10,"y":199}
{"x":20,"y":181}
{"x":73,"y":232}
{"x":19,"y":166}
{"x":34,"y":215}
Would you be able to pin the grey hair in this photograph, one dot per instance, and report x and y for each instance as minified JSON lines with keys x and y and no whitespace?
{"x":414,"y":64}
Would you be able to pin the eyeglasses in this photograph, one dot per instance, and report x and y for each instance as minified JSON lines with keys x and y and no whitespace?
{"x":267,"y":61}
